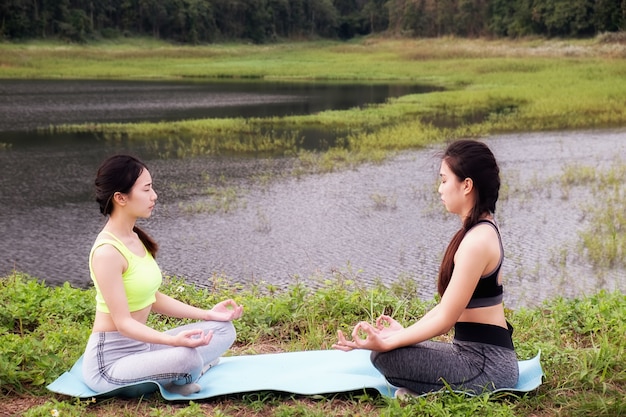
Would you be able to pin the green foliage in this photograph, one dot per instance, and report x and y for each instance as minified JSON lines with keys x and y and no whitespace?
{"x":54,"y":408}
{"x":260,"y":21}
{"x":449,"y":404}
{"x":21,"y":301}
{"x":42,"y":329}
{"x":300,"y":317}
{"x":582,"y":348}
{"x":189,"y":21}
{"x":581,"y":341}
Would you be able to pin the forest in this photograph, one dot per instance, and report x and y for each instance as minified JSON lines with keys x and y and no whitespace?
{"x":263,"y":21}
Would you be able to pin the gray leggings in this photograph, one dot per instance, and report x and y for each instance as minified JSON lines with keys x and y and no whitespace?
{"x":468,"y":366}
{"x":111,"y":360}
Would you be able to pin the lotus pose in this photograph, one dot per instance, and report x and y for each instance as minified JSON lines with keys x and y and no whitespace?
{"x":122,"y":349}
{"x":481,"y":356}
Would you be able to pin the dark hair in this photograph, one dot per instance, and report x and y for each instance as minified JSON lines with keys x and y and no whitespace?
{"x":119,"y":173}
{"x":474,"y":160}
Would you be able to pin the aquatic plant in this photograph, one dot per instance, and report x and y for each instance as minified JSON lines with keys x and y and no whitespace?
{"x":603,"y":240}
{"x":488,"y":87}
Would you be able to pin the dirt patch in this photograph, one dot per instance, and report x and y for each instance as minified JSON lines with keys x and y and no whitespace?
{"x":16,"y":406}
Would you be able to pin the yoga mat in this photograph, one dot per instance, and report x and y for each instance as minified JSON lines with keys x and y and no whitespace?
{"x":305,"y":372}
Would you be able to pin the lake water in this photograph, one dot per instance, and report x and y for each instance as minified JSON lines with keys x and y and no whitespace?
{"x":377,"y":222}
{"x":31,"y":104}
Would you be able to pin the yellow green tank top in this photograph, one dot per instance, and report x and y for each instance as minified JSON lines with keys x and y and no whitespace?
{"x":142,"y":278}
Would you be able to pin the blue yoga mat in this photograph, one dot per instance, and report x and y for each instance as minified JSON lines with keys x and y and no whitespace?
{"x":306,"y":373}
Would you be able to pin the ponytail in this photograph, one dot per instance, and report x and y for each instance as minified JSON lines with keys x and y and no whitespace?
{"x":151,"y":245}
{"x":447,"y":264}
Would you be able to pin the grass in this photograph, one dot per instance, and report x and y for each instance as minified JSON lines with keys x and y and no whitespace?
{"x":488,"y":87}
{"x":603,"y":242}
{"x":44,"y":330}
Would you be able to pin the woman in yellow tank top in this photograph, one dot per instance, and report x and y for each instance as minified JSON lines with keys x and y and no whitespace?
{"x":122,"y":349}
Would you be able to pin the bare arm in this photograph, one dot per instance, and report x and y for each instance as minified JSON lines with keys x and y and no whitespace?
{"x":224,"y":311}
{"x":471,"y":260}
{"x":108,"y":265}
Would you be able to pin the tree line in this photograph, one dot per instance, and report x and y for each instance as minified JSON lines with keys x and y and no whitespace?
{"x":260,"y":21}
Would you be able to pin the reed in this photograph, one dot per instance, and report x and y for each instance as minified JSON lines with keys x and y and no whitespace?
{"x":602,"y":240}
{"x":490,"y":87}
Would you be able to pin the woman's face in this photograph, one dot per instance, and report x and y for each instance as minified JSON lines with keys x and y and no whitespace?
{"x":142,"y":197}
{"x":451,"y":190}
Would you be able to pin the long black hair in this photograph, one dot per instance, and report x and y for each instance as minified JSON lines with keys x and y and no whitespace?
{"x":474,"y":160}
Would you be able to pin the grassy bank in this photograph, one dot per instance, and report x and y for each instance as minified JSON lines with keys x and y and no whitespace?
{"x":44,"y":330}
{"x":489,"y":86}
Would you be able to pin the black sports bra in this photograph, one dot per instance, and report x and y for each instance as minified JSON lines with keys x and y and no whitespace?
{"x":488,"y":292}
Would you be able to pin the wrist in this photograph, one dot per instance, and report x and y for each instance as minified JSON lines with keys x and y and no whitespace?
{"x":208,"y":315}
{"x":387,"y":343}
{"x":170,"y":340}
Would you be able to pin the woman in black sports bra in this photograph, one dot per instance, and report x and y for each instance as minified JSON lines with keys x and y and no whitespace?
{"x":481,"y":357}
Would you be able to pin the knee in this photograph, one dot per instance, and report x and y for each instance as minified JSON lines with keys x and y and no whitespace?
{"x":384,"y":361}
{"x":375,"y":358}
{"x":226,"y":331}
{"x":187,"y":359}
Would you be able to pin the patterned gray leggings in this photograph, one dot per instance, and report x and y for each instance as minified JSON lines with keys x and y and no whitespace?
{"x":468,"y":366}
{"x":111,"y":360}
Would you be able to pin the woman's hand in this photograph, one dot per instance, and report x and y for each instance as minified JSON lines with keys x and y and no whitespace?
{"x":226,"y":310}
{"x":364,"y":336}
{"x":386,"y":325}
{"x":192,"y":338}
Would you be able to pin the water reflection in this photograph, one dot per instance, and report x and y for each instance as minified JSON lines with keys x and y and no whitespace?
{"x":31,"y":104}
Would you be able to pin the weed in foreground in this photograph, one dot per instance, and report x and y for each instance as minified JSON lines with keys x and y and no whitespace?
{"x":44,"y":330}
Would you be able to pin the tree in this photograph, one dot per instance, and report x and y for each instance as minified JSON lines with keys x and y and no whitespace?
{"x":609,"y":15}
{"x":471,"y":19}
{"x":566,"y":17}
{"x":152,"y":15}
{"x":323,"y":17}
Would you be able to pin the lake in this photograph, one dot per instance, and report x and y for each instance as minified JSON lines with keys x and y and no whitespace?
{"x":31,"y":104}
{"x":251,"y":220}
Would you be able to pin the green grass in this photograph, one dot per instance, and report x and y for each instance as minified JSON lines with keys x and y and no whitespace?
{"x":44,"y":330}
{"x":490,"y":87}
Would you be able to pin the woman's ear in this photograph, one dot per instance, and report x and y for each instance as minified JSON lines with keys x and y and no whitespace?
{"x":119,"y":198}
{"x":468,"y":185}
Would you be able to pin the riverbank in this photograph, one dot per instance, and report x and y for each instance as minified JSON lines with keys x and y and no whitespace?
{"x":44,"y":330}
{"x":490,"y":87}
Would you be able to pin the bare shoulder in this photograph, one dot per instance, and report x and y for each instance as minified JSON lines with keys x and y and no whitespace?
{"x":484,"y":230}
{"x":107,"y":254}
{"x":103,"y":248}
{"x":480,"y":237}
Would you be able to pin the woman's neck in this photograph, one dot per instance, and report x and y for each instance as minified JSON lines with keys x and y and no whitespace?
{"x":485,"y":216}
{"x":120,"y":227}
